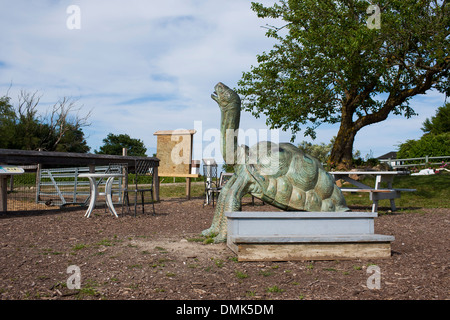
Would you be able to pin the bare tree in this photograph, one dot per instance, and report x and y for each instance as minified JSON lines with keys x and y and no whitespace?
{"x":59,"y":119}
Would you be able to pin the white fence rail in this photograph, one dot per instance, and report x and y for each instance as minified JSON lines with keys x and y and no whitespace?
{"x":414,"y":162}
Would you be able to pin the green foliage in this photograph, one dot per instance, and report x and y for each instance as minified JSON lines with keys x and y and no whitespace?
{"x":7,"y":122}
{"x":432,"y":145}
{"x":329,"y":67}
{"x":440,"y":123}
{"x":21,"y":127}
{"x":436,"y":140}
{"x":113,"y":144}
{"x":319,"y":151}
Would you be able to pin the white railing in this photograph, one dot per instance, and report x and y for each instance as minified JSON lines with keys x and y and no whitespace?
{"x":422,"y":161}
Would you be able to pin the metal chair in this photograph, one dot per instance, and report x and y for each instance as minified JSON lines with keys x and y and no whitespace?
{"x":212,"y":183}
{"x":142,"y":168}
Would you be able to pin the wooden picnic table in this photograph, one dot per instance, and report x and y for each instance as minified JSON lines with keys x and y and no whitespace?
{"x":375,"y":193}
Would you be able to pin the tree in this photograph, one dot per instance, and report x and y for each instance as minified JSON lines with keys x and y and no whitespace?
{"x":436,"y":138}
{"x":113,"y":144}
{"x":23,"y":128}
{"x":330,"y":66}
{"x":433,"y":145}
{"x":440,"y":123}
{"x":7,"y":122}
{"x":319,"y":151}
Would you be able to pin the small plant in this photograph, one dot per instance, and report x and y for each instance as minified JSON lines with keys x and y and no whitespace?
{"x":89,"y":289}
{"x":50,"y":251}
{"x":274,"y":289}
{"x":161,"y":250}
{"x":329,"y":269}
{"x":104,"y":242}
{"x":199,"y":239}
{"x":219,"y":263}
{"x":250,"y":293}
{"x":79,"y":247}
{"x":265,"y":273}
{"x":241,"y":275}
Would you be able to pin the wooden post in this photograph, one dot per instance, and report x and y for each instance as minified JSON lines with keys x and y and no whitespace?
{"x":3,"y":193}
{"x":125,"y":174}
{"x":38,"y":180}
{"x":188,"y":188}
{"x":156,"y":183}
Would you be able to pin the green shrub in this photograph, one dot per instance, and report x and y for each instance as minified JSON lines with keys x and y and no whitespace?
{"x":429,"y":145}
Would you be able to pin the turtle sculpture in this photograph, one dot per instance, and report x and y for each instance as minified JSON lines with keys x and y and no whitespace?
{"x":279,"y":174}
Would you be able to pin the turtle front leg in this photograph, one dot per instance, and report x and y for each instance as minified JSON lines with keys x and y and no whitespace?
{"x":229,"y":201}
{"x":220,"y":209}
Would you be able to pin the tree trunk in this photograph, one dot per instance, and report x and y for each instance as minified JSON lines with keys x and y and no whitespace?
{"x":342,"y":151}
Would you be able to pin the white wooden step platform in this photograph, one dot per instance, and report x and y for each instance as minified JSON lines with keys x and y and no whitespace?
{"x":290,"y":236}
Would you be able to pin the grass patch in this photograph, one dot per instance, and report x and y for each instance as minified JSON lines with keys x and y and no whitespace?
{"x":265,"y":273}
{"x":79,"y":247}
{"x":241,"y":275}
{"x":50,"y":252}
{"x":169,"y":190}
{"x":204,"y":239}
{"x":161,"y":249}
{"x":274,"y":289}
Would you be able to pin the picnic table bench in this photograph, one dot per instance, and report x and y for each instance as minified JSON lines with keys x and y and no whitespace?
{"x":376,"y":193}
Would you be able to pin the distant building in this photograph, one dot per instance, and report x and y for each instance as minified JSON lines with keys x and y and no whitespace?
{"x":390,"y":158}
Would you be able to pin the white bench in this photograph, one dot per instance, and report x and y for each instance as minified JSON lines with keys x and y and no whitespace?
{"x":380,"y":194}
{"x":376,"y":193}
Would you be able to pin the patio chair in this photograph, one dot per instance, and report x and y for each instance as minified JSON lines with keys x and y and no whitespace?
{"x":212,"y":184}
{"x":142,"y":168}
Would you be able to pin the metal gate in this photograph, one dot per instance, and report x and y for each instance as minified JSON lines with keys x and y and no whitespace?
{"x":62,"y":186}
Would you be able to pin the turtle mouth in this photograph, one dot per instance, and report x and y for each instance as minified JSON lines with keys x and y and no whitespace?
{"x":214,"y":96}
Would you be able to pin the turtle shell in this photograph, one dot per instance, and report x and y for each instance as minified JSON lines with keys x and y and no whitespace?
{"x":290,"y":179}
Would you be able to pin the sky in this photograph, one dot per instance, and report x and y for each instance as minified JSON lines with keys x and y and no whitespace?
{"x":141,"y":66}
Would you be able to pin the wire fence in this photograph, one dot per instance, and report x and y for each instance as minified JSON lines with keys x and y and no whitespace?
{"x":58,"y":188}
{"x":21,"y":192}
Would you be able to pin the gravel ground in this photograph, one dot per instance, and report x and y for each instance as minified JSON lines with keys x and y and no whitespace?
{"x":162,"y":258}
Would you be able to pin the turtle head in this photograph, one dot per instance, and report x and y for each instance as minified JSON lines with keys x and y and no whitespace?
{"x":225,"y":97}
